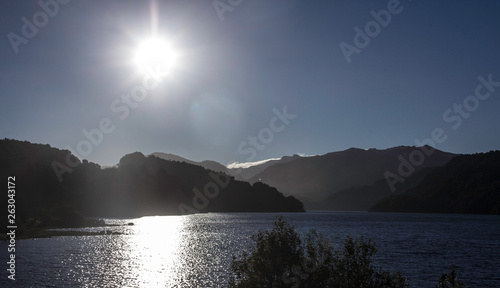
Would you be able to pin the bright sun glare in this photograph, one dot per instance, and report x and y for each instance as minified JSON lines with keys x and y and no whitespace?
{"x":155,"y":54}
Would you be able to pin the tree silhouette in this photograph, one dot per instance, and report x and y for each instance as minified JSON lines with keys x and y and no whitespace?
{"x":281,"y":259}
{"x":450,"y":280}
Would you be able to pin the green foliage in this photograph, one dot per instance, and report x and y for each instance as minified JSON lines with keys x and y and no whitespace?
{"x":353,"y":267}
{"x":281,"y":259}
{"x":273,"y":255}
{"x":450,"y":280}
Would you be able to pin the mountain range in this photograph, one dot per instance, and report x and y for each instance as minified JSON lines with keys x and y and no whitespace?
{"x":467,"y":184}
{"x":342,"y":180}
{"x":52,"y":185}
{"x":398,"y":179}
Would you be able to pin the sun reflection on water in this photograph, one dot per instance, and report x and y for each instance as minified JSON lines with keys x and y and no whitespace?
{"x":154,"y":250}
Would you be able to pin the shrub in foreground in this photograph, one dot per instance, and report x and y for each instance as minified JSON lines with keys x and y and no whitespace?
{"x":450,"y":280}
{"x":282,"y":259}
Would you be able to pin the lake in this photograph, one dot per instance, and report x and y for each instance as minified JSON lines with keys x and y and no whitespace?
{"x":196,"y":250}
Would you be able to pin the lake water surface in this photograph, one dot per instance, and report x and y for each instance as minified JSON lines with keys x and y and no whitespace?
{"x":195,"y":250}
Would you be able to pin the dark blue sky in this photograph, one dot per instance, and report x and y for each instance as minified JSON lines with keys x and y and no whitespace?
{"x":231,"y":74}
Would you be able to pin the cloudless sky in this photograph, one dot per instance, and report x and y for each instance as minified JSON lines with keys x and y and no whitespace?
{"x":232,"y":73}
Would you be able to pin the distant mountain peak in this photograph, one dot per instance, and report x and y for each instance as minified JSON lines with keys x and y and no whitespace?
{"x":237,"y":165}
{"x":207,"y":164}
{"x":293,"y":157}
{"x":355,"y":149}
{"x":313,"y":179}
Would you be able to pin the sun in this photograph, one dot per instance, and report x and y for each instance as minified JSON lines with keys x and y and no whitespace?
{"x":155,"y":54}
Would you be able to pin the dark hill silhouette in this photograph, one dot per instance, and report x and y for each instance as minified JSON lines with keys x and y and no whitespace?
{"x":36,"y":185}
{"x":138,"y":186}
{"x":242,"y":173}
{"x":249,"y":172}
{"x":313,"y":179}
{"x":362,"y":198}
{"x":237,"y":196}
{"x":467,"y":184}
{"x":207,"y":164}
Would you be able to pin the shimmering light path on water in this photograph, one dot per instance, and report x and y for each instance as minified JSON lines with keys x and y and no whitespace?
{"x":195,"y":250}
